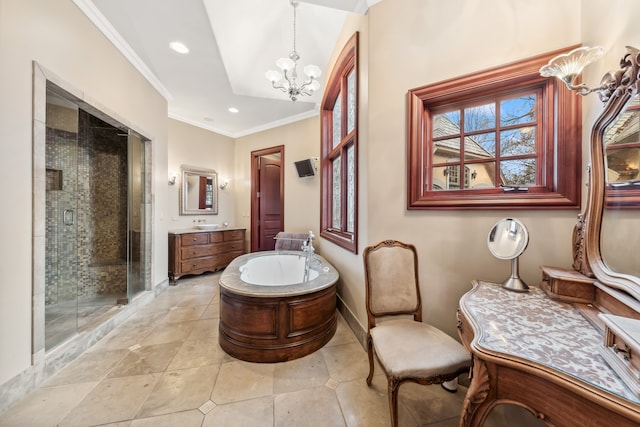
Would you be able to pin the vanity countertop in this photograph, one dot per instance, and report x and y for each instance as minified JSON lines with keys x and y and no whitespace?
{"x":534,"y":327}
{"x":196,"y":230}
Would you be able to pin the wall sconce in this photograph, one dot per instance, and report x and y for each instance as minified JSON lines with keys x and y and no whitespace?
{"x":224,"y":184}
{"x":474,"y":174}
{"x":172,"y":179}
{"x":568,"y":66}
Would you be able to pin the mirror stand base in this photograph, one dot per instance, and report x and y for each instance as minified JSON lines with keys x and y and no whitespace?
{"x":514,"y":283}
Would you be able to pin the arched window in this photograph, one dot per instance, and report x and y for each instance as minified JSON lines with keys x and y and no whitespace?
{"x":339,"y":164}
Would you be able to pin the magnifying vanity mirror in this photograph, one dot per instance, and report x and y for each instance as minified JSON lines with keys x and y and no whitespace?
{"x":198,"y":191}
{"x":507,"y":240}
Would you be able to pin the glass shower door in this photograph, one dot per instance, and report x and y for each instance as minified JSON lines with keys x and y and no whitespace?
{"x":136,"y":262}
{"x":61,"y":235}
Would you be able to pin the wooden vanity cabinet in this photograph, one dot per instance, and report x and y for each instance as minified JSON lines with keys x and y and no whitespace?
{"x":203,"y":251}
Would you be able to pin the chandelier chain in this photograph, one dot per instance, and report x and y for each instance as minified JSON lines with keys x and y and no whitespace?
{"x":295,"y":6}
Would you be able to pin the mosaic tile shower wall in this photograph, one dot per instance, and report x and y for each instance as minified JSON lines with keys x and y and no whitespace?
{"x":86,"y":173}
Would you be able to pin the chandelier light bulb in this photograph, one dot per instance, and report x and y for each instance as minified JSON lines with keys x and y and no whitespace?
{"x":273,"y":76}
{"x":285,"y":64}
{"x":312,"y":71}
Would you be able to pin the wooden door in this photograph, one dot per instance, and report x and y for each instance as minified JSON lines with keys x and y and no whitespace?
{"x":267,"y":198}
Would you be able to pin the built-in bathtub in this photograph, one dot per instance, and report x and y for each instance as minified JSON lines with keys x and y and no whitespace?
{"x":268,"y":314}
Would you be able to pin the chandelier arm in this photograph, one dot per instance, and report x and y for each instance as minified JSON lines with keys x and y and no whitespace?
{"x":281,"y":87}
{"x":307,"y":83}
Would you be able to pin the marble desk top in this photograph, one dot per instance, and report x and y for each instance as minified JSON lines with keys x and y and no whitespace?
{"x":534,"y":327}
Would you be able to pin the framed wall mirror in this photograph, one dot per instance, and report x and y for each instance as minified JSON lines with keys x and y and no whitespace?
{"x":198,"y":191}
{"x":620,"y":232}
{"x":611,"y":229}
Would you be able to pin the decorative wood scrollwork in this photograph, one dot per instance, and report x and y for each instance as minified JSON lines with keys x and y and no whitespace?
{"x":615,"y":83}
{"x":478,"y":390}
{"x":579,"y":260}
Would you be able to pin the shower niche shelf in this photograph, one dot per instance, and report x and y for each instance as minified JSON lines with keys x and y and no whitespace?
{"x":54,"y":179}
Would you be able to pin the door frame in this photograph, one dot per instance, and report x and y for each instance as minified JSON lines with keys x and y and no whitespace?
{"x":255,"y":203}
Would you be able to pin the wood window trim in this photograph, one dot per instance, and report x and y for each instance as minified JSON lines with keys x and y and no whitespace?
{"x":561,"y":187}
{"x":336,"y":84}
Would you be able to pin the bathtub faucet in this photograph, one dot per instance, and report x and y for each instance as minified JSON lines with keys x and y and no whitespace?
{"x":307,"y":246}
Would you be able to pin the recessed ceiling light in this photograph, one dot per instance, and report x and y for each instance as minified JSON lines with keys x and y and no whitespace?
{"x":233,"y":110}
{"x":179,"y":47}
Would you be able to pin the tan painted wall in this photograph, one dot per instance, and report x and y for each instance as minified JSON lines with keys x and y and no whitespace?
{"x":193,"y":146}
{"x":57,"y":35}
{"x":417,"y":42}
{"x":301,"y":140}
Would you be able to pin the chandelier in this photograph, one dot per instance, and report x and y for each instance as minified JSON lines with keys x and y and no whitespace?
{"x":287,"y":81}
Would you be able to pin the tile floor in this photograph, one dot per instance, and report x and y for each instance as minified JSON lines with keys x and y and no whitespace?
{"x":164,"y":367}
{"x":61,"y":319}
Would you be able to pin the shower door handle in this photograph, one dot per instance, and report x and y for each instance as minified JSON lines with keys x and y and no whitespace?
{"x":69,"y":217}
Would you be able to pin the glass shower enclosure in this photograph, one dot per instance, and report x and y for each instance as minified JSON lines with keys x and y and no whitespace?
{"x":95,"y":238}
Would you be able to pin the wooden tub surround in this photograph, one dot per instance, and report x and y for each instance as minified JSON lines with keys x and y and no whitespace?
{"x":271,"y":323}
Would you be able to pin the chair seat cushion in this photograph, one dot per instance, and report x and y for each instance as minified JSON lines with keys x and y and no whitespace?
{"x":407,"y":348}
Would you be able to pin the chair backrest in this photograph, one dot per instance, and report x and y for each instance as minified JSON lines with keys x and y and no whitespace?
{"x":391,"y":279}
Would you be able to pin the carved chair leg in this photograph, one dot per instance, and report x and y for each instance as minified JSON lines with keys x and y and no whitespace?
{"x":393,"y":400}
{"x":370,"y":354}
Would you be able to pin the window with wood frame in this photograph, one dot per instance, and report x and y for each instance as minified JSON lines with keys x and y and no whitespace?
{"x":505,"y":138}
{"x":339,"y":162}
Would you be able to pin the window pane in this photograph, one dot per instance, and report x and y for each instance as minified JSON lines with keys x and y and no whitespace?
{"x":445,"y":124}
{"x":480,"y":117}
{"x":445,"y":178}
{"x":519,"y":110}
{"x":480,"y":146}
{"x":351,"y":190}
{"x":337,"y":193}
{"x":351,"y":101}
{"x":483,"y":175}
{"x":446,"y":149}
{"x":521,"y":172}
{"x":337,"y":125}
{"x":518,"y":142}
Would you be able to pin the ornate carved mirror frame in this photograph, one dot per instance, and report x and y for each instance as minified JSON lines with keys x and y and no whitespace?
{"x":617,"y":89}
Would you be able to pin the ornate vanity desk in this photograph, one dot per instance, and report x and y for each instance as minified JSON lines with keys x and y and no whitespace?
{"x":568,"y":350}
{"x":542,"y":354}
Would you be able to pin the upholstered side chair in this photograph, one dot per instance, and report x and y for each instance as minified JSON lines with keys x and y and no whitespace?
{"x":406,"y":348}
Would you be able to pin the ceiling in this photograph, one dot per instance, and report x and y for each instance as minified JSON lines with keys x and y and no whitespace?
{"x":232,"y":44}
